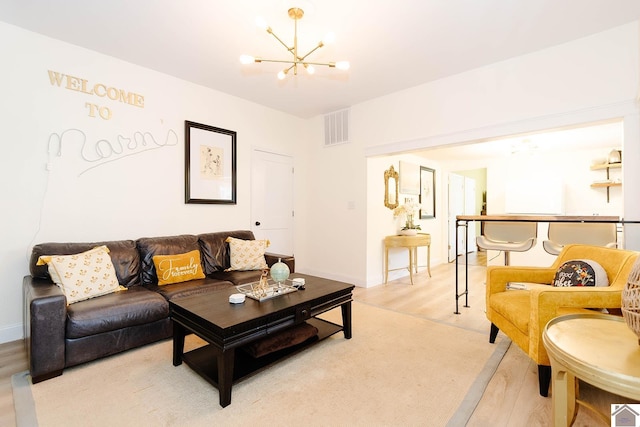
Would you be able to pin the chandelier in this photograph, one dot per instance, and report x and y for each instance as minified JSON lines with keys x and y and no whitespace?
{"x":296,"y":14}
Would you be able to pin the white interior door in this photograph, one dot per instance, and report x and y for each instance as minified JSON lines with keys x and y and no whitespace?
{"x":456,"y":207}
{"x":272,"y":200}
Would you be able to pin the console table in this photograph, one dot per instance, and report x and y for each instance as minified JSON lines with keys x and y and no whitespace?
{"x":411,"y":243}
{"x":597,"y":348}
{"x":464,"y":220}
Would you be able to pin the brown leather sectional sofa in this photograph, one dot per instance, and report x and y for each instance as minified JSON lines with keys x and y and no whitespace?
{"x":58,"y":335}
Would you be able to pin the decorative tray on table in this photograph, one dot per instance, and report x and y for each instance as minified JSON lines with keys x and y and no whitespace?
{"x":265,"y":290}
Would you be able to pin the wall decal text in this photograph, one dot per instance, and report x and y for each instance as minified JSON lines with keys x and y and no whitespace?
{"x":100,"y":90}
{"x":105,"y":151}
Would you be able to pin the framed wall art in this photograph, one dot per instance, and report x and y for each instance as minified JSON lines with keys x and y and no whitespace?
{"x":427,"y":193}
{"x":210,"y":164}
{"x":409,"y":178}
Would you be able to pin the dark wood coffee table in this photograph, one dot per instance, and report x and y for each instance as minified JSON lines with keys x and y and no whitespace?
{"x":227,"y":326}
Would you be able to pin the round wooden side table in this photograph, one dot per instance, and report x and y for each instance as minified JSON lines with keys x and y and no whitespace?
{"x":599,"y":349}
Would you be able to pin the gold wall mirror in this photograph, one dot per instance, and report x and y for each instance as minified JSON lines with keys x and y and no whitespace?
{"x":391,"y":187}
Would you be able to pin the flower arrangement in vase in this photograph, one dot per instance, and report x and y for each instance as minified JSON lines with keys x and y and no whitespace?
{"x":407,"y":212}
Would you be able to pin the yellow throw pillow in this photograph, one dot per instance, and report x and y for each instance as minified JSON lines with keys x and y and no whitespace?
{"x":82,"y":276}
{"x":247,"y":254}
{"x":178,"y":268}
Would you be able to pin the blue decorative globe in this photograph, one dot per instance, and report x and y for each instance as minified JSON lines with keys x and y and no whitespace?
{"x":280,"y":271}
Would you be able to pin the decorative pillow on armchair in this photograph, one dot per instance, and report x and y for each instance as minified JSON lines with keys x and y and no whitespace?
{"x":82,"y":276}
{"x":581,"y":272}
{"x":247,"y":254}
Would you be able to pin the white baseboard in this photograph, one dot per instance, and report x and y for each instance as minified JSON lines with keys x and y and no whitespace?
{"x":11,"y":333}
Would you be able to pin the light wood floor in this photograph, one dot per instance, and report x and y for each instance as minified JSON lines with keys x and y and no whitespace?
{"x":511,"y":398}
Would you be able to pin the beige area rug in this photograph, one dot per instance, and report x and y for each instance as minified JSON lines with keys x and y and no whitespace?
{"x":396,"y":370}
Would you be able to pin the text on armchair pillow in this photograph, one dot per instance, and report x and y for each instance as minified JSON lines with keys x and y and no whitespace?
{"x":580,"y":272}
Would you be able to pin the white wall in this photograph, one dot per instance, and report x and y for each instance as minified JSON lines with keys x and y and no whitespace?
{"x":331,"y":217}
{"x":125,"y":195}
{"x":593,"y":78}
{"x":339,"y":225}
{"x":382,"y":221}
{"x":570,"y":170}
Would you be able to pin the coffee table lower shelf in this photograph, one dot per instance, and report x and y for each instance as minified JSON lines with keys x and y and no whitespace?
{"x":203,"y":360}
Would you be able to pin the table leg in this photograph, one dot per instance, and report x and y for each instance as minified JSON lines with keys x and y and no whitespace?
{"x":346,"y":319}
{"x":225,"y":375}
{"x":386,"y":264}
{"x":411,"y":264}
{"x":178,"y":343}
{"x":564,"y":396}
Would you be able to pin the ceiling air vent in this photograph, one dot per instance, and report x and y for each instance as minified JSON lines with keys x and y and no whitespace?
{"x":336,"y":128}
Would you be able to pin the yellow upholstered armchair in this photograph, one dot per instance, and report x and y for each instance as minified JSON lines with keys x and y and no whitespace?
{"x":523,"y":314}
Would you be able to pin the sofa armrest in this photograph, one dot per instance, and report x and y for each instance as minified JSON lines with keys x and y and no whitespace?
{"x":272,"y":258}
{"x":45,"y":312}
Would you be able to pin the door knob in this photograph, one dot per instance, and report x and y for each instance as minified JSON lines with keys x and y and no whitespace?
{"x":257,"y":222}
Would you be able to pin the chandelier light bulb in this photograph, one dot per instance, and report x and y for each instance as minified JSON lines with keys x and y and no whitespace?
{"x":342,"y":65}
{"x":309,"y":68}
{"x":261,"y":23}
{"x":247,"y":59}
{"x":282,"y":75}
{"x":329,"y":38}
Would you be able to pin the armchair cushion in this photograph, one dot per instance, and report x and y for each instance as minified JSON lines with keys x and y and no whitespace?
{"x":581,"y":272}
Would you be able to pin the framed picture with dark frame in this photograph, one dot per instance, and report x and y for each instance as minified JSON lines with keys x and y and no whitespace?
{"x":427,"y":193}
{"x":210,"y":164}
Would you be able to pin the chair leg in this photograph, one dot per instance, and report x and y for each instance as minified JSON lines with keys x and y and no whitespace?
{"x":544,"y":378}
{"x":493,"y":334}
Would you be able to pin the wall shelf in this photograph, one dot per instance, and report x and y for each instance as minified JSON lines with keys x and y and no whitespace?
{"x":606,"y":166}
{"x":608,"y":183}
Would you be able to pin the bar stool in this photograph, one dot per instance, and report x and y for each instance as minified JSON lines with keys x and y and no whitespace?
{"x":563,"y":233}
{"x":508,"y":236}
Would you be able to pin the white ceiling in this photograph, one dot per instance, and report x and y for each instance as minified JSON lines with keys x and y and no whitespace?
{"x":603,"y":136}
{"x":392,"y":45}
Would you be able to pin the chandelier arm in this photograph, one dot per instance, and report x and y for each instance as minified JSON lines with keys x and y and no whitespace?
{"x":270,"y":31}
{"x":320,"y":44}
{"x":326,"y":64}
{"x":282,"y":61}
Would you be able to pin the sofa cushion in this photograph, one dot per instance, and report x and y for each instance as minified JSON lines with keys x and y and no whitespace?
{"x":169,"y":245}
{"x":237,"y":277}
{"x":191,"y":287}
{"x":580,"y":272}
{"x":136,"y":306}
{"x":178,"y":268}
{"x":123,"y":253}
{"x":215,"y":249}
{"x":247,"y":254}
{"x":83,"y":276}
